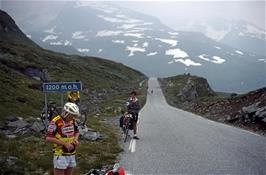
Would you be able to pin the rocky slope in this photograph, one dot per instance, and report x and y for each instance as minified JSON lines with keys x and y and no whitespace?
{"x":194,"y":94}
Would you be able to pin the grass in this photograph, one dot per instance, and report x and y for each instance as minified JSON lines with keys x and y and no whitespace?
{"x":20,"y":99}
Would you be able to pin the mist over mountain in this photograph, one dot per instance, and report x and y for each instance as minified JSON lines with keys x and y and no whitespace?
{"x":144,"y":43}
{"x":239,"y":34}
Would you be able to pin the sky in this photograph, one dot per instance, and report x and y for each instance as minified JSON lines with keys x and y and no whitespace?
{"x":167,"y":11}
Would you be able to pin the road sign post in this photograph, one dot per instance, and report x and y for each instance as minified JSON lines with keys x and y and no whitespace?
{"x":58,"y":87}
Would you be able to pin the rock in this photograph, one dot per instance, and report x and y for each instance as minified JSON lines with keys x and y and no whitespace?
{"x":11,"y":118}
{"x":11,"y":136}
{"x":11,"y":160}
{"x":18,"y":124}
{"x":37,"y":126}
{"x":90,"y":135}
{"x":37,"y":73}
{"x":250,"y":109}
{"x":261,"y":112}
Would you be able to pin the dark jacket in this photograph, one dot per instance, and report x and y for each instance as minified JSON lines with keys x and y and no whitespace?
{"x":133,"y":106}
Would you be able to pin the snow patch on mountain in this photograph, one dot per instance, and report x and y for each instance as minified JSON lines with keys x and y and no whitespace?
{"x":239,"y":52}
{"x":152,"y":53}
{"x":134,"y":25}
{"x":204,"y":57}
{"x":78,"y":35}
{"x":134,"y":49}
{"x":218,"y":60}
{"x":67,"y":43}
{"x":104,"y":33}
{"x":119,"y":20}
{"x":58,"y":43}
{"x":29,"y":36}
{"x":51,"y":31}
{"x":262,"y":60}
{"x":110,"y":19}
{"x":121,"y":16}
{"x":173,"y":33}
{"x":50,"y":37}
{"x":118,"y":41}
{"x":168,"y":41}
{"x":214,"y":59}
{"x":145,"y":44}
{"x":176,"y":53}
{"x":187,"y":62}
{"x":83,"y":50}
{"x":137,"y":35}
{"x":217,"y":47}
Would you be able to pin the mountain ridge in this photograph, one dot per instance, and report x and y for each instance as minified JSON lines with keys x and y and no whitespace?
{"x":147,"y":45}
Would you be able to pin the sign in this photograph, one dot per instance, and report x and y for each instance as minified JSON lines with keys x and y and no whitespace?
{"x":61,"y":86}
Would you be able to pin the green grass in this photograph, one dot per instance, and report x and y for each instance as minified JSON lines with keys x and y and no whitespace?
{"x":35,"y":156}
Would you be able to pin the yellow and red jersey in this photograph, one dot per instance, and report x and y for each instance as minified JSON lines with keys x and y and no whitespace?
{"x":64,"y":131}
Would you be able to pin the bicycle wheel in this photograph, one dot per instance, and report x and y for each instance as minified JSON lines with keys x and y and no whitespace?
{"x":126,"y":134}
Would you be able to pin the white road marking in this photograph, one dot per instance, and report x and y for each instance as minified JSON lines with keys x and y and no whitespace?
{"x":133,"y":148}
{"x":130,"y":145}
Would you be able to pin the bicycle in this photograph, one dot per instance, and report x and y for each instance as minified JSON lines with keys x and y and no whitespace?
{"x":51,"y":113}
{"x":115,"y":169}
{"x":128,"y":125}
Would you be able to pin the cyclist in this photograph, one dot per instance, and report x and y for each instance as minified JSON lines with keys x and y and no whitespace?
{"x":133,"y":107}
{"x":73,"y":96}
{"x":63,"y":133}
{"x":125,"y":121}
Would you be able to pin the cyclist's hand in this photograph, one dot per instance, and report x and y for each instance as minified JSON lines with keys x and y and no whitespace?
{"x":76,"y":142}
{"x":69,"y":146}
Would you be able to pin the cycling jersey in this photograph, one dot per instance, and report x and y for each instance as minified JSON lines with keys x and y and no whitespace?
{"x":64,"y":131}
{"x":133,"y":105}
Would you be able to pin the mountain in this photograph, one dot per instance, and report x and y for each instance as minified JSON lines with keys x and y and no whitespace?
{"x":105,"y":30}
{"x":238,"y":34}
{"x":193,"y":93}
{"x":25,"y":66}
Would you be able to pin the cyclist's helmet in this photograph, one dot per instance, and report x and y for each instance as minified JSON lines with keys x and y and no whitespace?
{"x":71,"y":108}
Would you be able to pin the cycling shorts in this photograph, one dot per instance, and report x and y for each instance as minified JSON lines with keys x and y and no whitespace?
{"x":64,"y":162}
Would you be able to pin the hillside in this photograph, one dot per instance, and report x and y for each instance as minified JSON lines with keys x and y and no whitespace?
{"x":140,"y":41}
{"x":192,"y":93}
{"x":24,"y":66}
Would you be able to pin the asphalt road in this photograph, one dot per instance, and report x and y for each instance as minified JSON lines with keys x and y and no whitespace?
{"x":174,"y":142}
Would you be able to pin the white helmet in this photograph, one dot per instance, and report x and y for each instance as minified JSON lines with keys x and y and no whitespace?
{"x":71,"y":108}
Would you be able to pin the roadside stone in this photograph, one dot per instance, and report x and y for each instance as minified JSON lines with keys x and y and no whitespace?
{"x":18,"y":124}
{"x":11,"y":118}
{"x":37,"y":126}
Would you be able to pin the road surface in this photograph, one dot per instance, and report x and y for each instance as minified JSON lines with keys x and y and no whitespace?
{"x":173,"y":142}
